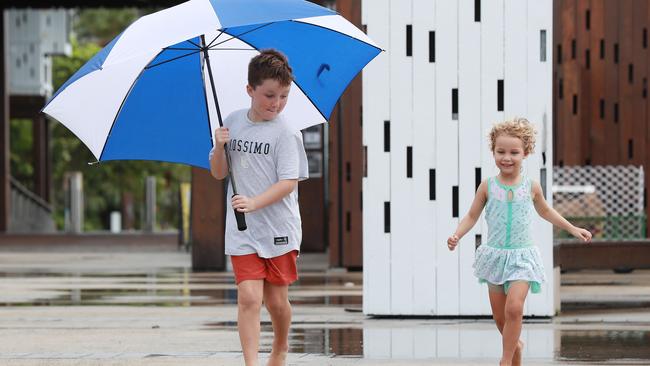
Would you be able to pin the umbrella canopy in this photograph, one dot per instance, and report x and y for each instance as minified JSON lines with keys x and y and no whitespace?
{"x":148,"y":95}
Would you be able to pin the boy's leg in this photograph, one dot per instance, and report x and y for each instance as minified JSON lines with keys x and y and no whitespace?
{"x":276,"y":299}
{"x":282,"y":271}
{"x":249,"y":304}
{"x":514,"y":311}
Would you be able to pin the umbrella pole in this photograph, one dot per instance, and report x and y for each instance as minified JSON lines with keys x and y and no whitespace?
{"x":239,"y":216}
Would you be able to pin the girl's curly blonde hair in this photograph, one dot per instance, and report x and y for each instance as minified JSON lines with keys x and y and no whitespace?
{"x":517,"y":127}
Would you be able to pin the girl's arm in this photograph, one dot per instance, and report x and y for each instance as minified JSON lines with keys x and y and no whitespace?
{"x":272,"y":195}
{"x":552,"y":216}
{"x":472,"y":216}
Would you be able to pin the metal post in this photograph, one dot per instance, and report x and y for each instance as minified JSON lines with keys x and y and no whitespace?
{"x":150,"y":207}
{"x":74,"y":210}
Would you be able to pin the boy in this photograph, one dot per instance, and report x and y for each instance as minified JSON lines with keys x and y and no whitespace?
{"x":268,"y":159}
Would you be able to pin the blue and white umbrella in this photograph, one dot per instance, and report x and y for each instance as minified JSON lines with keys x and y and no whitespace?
{"x":148,"y":95}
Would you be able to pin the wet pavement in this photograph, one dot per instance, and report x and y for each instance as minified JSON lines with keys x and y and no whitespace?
{"x":150,"y":309}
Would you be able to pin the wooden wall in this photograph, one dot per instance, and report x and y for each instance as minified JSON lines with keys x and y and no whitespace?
{"x":601,"y":82}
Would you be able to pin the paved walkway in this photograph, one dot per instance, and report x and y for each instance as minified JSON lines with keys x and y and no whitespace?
{"x":149,"y":309}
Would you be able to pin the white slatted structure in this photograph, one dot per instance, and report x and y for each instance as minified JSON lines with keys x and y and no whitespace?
{"x":449,"y":72}
{"x":470,"y":344}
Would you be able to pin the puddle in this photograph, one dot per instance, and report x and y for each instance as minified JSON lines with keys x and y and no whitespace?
{"x":604,"y":345}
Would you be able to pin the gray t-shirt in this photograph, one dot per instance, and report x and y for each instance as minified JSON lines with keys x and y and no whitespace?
{"x":262,"y":154}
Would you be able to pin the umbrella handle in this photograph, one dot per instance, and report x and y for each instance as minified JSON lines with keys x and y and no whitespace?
{"x":241,"y":219}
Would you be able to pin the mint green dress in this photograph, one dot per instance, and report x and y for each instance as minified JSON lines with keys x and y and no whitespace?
{"x":509,"y":254}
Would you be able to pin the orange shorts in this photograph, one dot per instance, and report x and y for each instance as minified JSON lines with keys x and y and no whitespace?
{"x":280,"y":270}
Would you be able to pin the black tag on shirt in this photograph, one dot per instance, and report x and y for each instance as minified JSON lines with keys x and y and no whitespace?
{"x":281,"y":240}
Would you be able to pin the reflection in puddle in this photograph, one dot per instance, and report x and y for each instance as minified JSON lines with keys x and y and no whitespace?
{"x":174,"y":287}
{"x":604,"y":345}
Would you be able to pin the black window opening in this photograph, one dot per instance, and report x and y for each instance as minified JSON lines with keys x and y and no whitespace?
{"x":616,"y":112}
{"x":500,"y":95}
{"x":588,"y":19}
{"x":573,"y":49}
{"x":559,"y":53}
{"x":432,"y":184}
{"x":477,"y":178}
{"x":386,"y":136}
{"x":454,"y":104}
{"x":644,"y":92}
{"x":587,"y":59}
{"x":602,"y":49}
{"x":477,"y":10}
{"x":432,"y":46}
{"x":615,"y":53}
{"x":387,"y":217}
{"x":630,"y":73}
{"x":409,"y":40}
{"x":409,"y":162}
{"x":602,"y":109}
{"x":575,"y":104}
{"x":542,"y":45}
{"x":454,"y":204}
{"x":560,"y":88}
{"x":630,"y":149}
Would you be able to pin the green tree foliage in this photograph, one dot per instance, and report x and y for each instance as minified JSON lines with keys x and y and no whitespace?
{"x":105,"y":183}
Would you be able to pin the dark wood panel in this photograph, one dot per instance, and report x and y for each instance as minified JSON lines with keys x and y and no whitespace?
{"x":602,"y":255}
{"x":597,"y":77}
{"x":611,"y":82}
{"x":312,"y":213}
{"x":625,"y":87}
{"x":346,"y":166}
{"x":208,"y":221}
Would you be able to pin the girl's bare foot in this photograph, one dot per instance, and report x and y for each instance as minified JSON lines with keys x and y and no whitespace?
{"x":278,"y":358}
{"x":516,"y":358}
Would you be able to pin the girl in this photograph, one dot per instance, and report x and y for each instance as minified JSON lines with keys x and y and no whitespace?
{"x":509,"y":262}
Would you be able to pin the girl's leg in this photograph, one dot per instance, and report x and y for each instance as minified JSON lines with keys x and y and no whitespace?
{"x":249,"y":304}
{"x":513,"y":311}
{"x":276,"y":299}
{"x":498,"y":304}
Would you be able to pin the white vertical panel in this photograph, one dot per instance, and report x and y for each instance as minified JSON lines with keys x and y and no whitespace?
{"x":401,"y":343}
{"x":539,"y":112}
{"x":515,"y":58}
{"x":446,"y":145}
{"x":376,"y":186}
{"x":376,"y":341}
{"x":473,"y":300}
{"x":401,"y":136}
{"x":448,"y":342}
{"x":424,"y":248}
{"x":491,"y":71}
{"x":424,"y":342}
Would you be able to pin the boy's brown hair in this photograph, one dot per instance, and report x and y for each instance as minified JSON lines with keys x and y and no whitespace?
{"x":269,"y":64}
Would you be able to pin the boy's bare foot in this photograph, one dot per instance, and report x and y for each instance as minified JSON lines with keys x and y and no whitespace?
{"x":516,"y":357}
{"x":277,"y":358}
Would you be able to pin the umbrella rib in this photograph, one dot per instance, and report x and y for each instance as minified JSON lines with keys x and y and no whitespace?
{"x":294,"y":81}
{"x":190,"y":41}
{"x":215,"y":38}
{"x":239,"y":35}
{"x":171,"y":59}
{"x":179,"y":49}
{"x":232,"y":49}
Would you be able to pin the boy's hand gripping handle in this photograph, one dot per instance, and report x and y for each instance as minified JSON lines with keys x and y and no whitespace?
{"x":241,"y":219}
{"x":239,"y":216}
